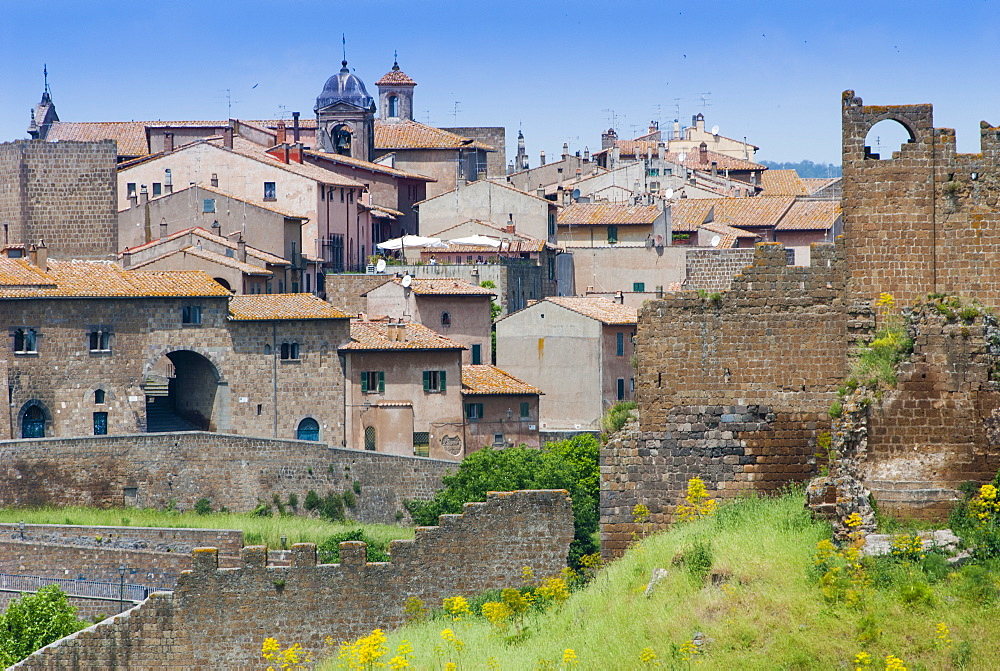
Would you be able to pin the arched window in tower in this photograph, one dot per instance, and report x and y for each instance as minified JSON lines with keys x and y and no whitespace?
{"x":341,"y":137}
{"x":393,"y":106}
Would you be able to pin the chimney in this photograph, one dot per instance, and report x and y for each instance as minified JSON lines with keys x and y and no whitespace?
{"x":42,"y":256}
{"x":509,"y":228}
{"x":608,"y":139}
{"x":661,"y":149}
{"x":126,"y":258}
{"x":475,"y":276}
{"x":703,"y":153}
{"x":699,"y":122}
{"x":168,"y":141}
{"x":586,"y":154}
{"x":295,"y":126}
{"x":295,"y":152}
{"x":143,"y":194}
{"x":227,"y":137}
{"x":565,"y":152}
{"x":541,"y":157}
{"x":241,"y":249}
{"x":715,"y":168}
{"x":133,"y":199}
{"x":33,"y":255}
{"x":653,"y":127}
{"x":168,"y":181}
{"x":540,"y":191}
{"x":284,"y":153}
{"x":163,"y":228}
{"x":280,"y":136}
{"x":401,"y":332}
{"x":677,"y":130}
{"x":619,"y":298}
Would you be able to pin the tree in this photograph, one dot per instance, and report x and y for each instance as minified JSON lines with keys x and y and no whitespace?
{"x":35,"y":620}
{"x":571,"y":464}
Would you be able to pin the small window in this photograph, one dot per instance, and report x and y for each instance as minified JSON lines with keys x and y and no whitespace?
{"x":621,"y":389}
{"x":295,"y":287}
{"x":370,"y":438}
{"x":525,"y":410}
{"x":289,"y":351}
{"x":267,"y":350}
{"x":393,"y":106}
{"x":100,"y":423}
{"x":100,"y":341}
{"x":620,"y":344}
{"x":612,"y":235}
{"x":157,"y":189}
{"x":552,"y":268}
{"x":638,"y":286}
{"x":552,"y":224}
{"x":208,"y":205}
{"x":130,"y":190}
{"x":99,"y":396}
{"x":215,"y":180}
{"x":308,"y":429}
{"x":270,"y":192}
{"x":477,"y":355}
{"x":281,"y":286}
{"x":191,"y":314}
{"x":342,"y":195}
{"x":26,"y":341}
{"x":372,"y":381}
{"x":434,"y":381}
{"x":473,"y":411}
{"x":498,"y":440}
{"x":445,"y":319}
{"x":308,"y":280}
{"x":421,"y":443}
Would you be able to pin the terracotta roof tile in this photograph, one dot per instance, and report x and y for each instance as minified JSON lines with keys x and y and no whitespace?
{"x":267,"y":307}
{"x":130,"y":135}
{"x":506,"y":247}
{"x":608,"y":214}
{"x":99,"y":279}
{"x":258,"y":152}
{"x":729,"y":235}
{"x":782,"y":183}
{"x":485,"y":379}
{"x":211,"y":256}
{"x":692,"y":158}
{"x":603,"y":310}
{"x":687,"y":214}
{"x":368,"y":335}
{"x":367,"y":165}
{"x":407,"y":134}
{"x":446,"y":287}
{"x":810,"y":215}
{"x":814,"y":184}
{"x":490,"y":183}
{"x":395,"y":76}
{"x":200,"y":232}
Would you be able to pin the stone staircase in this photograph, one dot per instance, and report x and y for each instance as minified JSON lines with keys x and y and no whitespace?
{"x":162,"y":419}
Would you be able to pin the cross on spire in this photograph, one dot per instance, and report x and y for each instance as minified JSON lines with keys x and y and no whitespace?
{"x":343,"y":39}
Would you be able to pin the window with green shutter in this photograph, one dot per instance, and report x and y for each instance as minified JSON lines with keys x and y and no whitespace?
{"x":473,"y":411}
{"x":434,"y":381}
{"x":525,"y":410}
{"x":612,"y":234}
{"x":372,"y":381}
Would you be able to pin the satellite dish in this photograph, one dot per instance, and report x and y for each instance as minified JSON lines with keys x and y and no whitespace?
{"x":714,"y":242}
{"x":683,"y":157}
{"x":658,"y":241}
{"x":576,"y":194}
{"x":715,"y":130}
{"x":380,"y":266}
{"x":407,"y":279}
{"x":669,"y":194}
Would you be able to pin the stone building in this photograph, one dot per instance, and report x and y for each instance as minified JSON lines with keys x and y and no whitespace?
{"x":404,"y":390}
{"x":94,"y":349}
{"x":578,"y":350}
{"x":62,"y":193}
{"x":603,"y":224}
{"x":500,"y":410}
{"x":450,"y":307}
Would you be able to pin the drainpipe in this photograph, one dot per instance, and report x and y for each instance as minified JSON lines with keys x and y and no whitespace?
{"x":274,"y":373}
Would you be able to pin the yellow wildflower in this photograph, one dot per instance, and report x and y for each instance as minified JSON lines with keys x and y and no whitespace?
{"x":862,"y":661}
{"x":492,"y":664}
{"x":527,"y":574}
{"x":451,"y":666}
{"x":449,"y":637}
{"x":893,"y":663}
{"x":886,"y":300}
{"x":640,"y":513}
{"x":697,"y":504}
{"x":554,"y":589}
{"x":647,"y":656}
{"x":943,"y":633}
{"x":569,"y":657}
{"x":853,"y":520}
{"x":457,"y":606}
{"x":688,"y":650}
{"x":497,"y":612}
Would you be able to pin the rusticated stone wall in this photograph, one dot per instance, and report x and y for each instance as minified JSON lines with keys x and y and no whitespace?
{"x":237,"y":472}
{"x":219,"y":618}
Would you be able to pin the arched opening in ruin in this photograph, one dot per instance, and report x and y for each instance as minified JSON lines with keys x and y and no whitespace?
{"x":885,"y":138}
{"x":184,"y":392}
{"x":33,"y":417}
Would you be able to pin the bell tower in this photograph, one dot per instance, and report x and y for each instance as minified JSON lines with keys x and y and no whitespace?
{"x":345,"y":116}
{"x":43,"y":115}
{"x":395,"y":95}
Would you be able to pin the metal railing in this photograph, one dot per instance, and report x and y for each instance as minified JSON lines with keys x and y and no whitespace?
{"x":88,"y":589}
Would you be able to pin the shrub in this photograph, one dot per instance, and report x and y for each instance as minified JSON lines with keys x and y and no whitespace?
{"x":313,"y":501}
{"x":278,"y":505}
{"x":568,"y":464}
{"x":35,"y":620}
{"x":836,"y":410}
{"x":616,"y":417}
{"x":696,"y":559}
{"x":262,"y":510}
{"x":356,"y":486}
{"x":293,"y":501}
{"x":349,"y":499}
{"x":203,"y":506}
{"x":332,"y":507}
{"x":329,"y":550}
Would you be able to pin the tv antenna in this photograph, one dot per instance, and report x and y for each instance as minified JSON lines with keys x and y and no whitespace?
{"x":456,"y":111}
{"x":230,"y":102}
{"x":704,"y":99}
{"x":677,"y":108}
{"x":612,"y":117}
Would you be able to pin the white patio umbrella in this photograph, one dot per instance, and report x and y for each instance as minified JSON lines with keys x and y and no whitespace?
{"x":412,"y":241}
{"x":481,"y":240}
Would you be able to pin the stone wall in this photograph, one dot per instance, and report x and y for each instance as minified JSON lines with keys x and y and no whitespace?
{"x":62,"y":192}
{"x":496,"y":137}
{"x":159,"y":539}
{"x":150,"y":470}
{"x":714,"y":269}
{"x":86,"y":609}
{"x":734,"y":391}
{"x":219,"y":618}
{"x":924,"y":219}
{"x":346,"y":291}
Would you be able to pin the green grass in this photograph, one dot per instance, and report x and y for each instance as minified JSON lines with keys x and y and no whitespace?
{"x":769,"y":615}
{"x":256,"y":530}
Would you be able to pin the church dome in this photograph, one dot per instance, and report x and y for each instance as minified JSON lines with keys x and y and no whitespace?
{"x":344,"y":87}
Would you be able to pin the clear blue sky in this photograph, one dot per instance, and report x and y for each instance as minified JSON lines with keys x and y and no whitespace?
{"x":774,"y":70}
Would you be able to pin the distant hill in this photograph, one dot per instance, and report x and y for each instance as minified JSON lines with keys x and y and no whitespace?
{"x":805,"y":168}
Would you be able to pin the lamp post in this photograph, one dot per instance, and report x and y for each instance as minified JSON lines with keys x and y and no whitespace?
{"x":284,"y":542}
{"x":121,"y":588}
{"x":20,"y":526}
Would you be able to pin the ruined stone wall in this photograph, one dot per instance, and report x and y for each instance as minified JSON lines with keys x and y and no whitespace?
{"x":924,"y":219}
{"x":150,"y":470}
{"x":714,"y":269}
{"x":345,"y":291}
{"x":496,"y":137}
{"x":734,"y":391}
{"x":938,"y":427}
{"x":62,"y":192}
{"x":219,"y":618}
{"x":159,"y":539}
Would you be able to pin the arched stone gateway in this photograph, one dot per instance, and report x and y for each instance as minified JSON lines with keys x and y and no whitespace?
{"x":185,"y":392}
{"x":34,"y":418}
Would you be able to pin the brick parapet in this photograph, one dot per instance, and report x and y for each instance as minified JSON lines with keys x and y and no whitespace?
{"x":218,"y":618}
